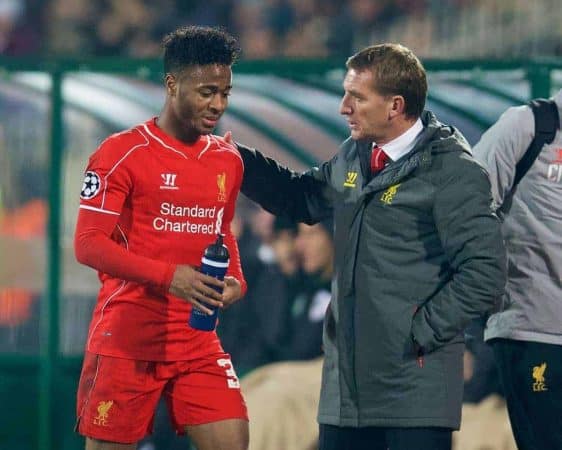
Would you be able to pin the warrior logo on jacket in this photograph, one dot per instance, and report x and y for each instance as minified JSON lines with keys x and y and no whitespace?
{"x":350,"y":179}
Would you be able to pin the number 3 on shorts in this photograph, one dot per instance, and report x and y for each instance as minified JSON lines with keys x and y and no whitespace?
{"x":233,"y":382}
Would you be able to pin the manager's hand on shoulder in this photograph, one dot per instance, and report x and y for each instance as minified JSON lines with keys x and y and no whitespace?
{"x":196,"y":288}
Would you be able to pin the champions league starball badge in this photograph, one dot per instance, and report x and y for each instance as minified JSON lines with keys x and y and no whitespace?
{"x":91,"y":186}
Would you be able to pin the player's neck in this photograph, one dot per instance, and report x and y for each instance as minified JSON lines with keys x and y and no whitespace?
{"x":169,"y":124}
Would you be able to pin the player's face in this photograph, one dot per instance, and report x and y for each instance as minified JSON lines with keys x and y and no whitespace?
{"x":367,"y":112}
{"x":199,"y":97}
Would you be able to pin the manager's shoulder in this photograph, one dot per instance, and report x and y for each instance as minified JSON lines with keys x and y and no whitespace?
{"x":348,"y":149}
{"x":454,"y":158}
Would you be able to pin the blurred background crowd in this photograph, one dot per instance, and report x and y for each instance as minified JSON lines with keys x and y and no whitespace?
{"x":294,"y":28}
{"x":288,"y":266}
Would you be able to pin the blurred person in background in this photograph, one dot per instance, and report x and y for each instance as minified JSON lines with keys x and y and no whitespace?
{"x":252,"y":228}
{"x":145,"y":232}
{"x":480,"y":372}
{"x":239,"y":325}
{"x":418,"y":255}
{"x":23,"y":225}
{"x":526,"y":332}
{"x":283,"y":397}
{"x":20,"y":27}
{"x":308,"y":305}
{"x":370,"y":18}
{"x":255,"y":330}
{"x":72,"y":27}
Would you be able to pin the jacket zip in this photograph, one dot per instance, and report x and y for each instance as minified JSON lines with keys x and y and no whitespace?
{"x":418,"y":347}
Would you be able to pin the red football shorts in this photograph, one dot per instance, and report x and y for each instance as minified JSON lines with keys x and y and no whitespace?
{"x":117,"y":397}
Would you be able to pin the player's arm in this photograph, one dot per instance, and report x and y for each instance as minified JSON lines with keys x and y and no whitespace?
{"x":107,"y":186}
{"x":235,"y":283}
{"x":95,"y":248}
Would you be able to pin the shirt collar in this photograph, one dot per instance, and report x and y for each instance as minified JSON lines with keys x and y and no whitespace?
{"x":169,"y":142}
{"x":398,"y":147}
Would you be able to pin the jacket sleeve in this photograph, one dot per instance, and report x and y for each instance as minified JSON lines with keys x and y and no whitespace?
{"x":502,"y":146}
{"x":304,"y":197}
{"x":471,"y":238}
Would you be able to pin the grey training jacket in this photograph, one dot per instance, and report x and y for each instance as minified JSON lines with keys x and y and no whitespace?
{"x":532,"y":306}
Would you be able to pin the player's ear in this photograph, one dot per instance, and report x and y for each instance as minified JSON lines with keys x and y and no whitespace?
{"x":171,"y":84}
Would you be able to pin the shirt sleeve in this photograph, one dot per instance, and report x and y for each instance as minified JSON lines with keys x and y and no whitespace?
{"x":97,"y":243}
{"x":235,"y":266}
{"x":502,"y":146}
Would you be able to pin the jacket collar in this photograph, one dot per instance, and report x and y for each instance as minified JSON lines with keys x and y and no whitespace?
{"x":402,"y":145}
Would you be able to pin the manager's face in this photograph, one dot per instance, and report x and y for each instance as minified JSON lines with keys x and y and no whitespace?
{"x":367,"y":112}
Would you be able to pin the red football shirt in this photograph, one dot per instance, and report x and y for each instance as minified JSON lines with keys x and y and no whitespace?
{"x":148,"y":203}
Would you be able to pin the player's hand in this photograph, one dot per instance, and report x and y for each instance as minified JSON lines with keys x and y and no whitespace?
{"x":196,"y":288}
{"x":232,"y":291}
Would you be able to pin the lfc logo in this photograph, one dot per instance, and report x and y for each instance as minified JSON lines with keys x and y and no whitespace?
{"x":103,"y":413}
{"x":389,"y":194}
{"x":221,"y":184}
{"x":538,"y":375}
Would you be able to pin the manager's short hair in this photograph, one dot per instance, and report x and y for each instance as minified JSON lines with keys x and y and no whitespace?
{"x":396,"y":71}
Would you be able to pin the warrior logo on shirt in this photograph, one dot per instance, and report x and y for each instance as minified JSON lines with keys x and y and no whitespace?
{"x":221,"y":183}
{"x":91,"y":185}
{"x":169,"y":181}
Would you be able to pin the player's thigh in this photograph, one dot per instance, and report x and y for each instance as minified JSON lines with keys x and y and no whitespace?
{"x":94,"y":444}
{"x":116,"y":399}
{"x":230,"y":434}
{"x":208,"y":392}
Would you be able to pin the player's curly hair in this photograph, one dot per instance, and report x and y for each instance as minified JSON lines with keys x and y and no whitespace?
{"x":198,"y":45}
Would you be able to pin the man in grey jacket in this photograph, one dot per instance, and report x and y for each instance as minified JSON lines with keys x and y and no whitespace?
{"x":526,"y":333}
{"x":418,"y":255}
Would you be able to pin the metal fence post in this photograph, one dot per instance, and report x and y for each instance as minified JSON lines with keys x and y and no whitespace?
{"x":539,"y":80}
{"x":50,"y":307}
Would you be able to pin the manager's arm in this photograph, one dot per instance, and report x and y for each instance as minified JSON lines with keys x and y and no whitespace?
{"x":301,"y":197}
